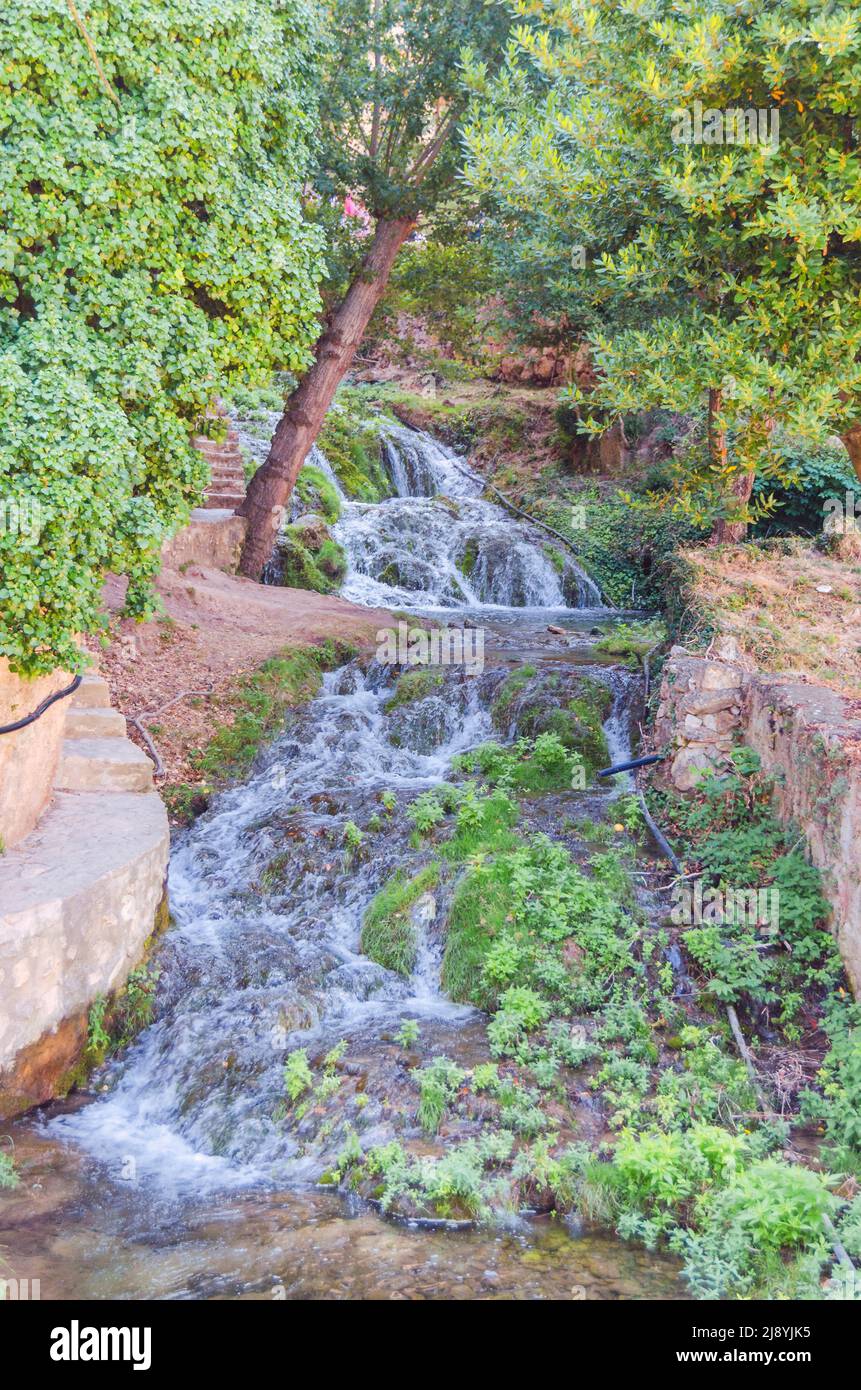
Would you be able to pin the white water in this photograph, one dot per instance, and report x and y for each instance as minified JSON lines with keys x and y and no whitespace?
{"x":436,"y":544}
{"x":251,"y":971}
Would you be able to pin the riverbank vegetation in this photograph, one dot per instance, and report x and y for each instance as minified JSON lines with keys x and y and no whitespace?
{"x":254,"y":707}
{"x":614,"y":1086}
{"x":495,"y":222}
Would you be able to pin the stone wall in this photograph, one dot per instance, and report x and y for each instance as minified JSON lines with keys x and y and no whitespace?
{"x":28,"y":758}
{"x":212,"y":538}
{"x":808,"y":737}
{"x":78,"y":902}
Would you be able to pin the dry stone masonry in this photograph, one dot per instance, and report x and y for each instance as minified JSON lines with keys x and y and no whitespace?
{"x":807,"y":737}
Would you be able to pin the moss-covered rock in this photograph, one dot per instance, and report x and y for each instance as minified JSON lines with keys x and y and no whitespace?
{"x":308,"y":557}
{"x":390,"y":932}
{"x":318,"y":493}
{"x":414,"y":685}
{"x":563,"y":702}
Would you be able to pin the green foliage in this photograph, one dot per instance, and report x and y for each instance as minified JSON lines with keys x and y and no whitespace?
{"x":509,"y":920}
{"x":408,"y":1034}
{"x":389,"y":935}
{"x":8,"y":1175}
{"x":98,"y":1035}
{"x":730,"y":833}
{"x":709,"y":266}
{"x":438,"y":1083}
{"x":539,"y":765}
{"x":628,"y":550}
{"x":445,"y":284}
{"x":812,"y":478}
{"x":392,"y":95}
{"x":353,"y":836}
{"x":297,"y":1074}
{"x":152,"y":248}
{"x":839,"y":1103}
{"x":134,"y":1005}
{"x":425,"y":812}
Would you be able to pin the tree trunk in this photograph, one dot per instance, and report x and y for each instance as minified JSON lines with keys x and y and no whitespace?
{"x":272,"y":484}
{"x":852,"y":440}
{"x":740,"y":488}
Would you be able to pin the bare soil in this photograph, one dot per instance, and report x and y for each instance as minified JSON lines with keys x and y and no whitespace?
{"x":797,"y":612}
{"x":214,"y":627}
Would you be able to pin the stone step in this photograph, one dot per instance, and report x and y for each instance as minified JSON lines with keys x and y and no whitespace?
{"x":221,"y":455}
{"x":103,"y":764}
{"x":227,"y":475}
{"x":224,"y":485}
{"x":227,"y":500}
{"x":92,"y":692}
{"x":84,"y":721}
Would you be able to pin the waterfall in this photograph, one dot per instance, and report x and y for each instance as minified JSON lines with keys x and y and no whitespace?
{"x":437,"y":544}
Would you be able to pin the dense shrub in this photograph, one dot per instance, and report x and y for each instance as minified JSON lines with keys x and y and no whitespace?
{"x":153,"y":246}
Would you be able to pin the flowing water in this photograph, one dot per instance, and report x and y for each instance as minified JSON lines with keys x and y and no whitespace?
{"x":182,"y":1178}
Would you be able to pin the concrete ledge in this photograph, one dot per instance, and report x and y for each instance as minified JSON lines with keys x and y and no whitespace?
{"x":78,"y":901}
{"x":213,"y":538}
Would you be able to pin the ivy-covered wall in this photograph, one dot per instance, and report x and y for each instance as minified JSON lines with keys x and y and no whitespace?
{"x":152,"y":247}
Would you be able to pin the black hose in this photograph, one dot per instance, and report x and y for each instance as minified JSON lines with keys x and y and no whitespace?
{"x":635,"y":762}
{"x":40,"y":709}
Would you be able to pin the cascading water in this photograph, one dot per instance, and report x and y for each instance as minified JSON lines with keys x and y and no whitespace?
{"x":436,"y":544}
{"x":264,"y":953}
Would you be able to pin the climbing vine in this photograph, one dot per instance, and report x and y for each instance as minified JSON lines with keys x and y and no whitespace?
{"x":153,"y":248}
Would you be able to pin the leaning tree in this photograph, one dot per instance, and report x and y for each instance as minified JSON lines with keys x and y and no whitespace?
{"x":392,"y":100}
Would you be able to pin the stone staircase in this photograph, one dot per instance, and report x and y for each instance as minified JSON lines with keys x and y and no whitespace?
{"x":96,"y":755}
{"x":226,"y":489}
{"x":80,"y":896}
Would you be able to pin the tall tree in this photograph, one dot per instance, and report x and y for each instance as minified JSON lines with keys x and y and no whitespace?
{"x":392,"y":100}
{"x":742,"y":260}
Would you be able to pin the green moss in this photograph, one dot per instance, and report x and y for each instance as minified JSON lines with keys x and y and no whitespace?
{"x":478,"y":911}
{"x":260,"y":701}
{"x":351,"y":443}
{"x":414,"y":685}
{"x":467,"y":561}
{"x":577,"y":721}
{"x":388,"y":934}
{"x":320,"y":570}
{"x":509,"y":690}
{"x":332,"y":561}
{"x":318,"y":493}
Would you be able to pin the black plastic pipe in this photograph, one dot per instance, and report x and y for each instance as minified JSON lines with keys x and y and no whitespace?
{"x":40,"y":709}
{"x":636,"y":762}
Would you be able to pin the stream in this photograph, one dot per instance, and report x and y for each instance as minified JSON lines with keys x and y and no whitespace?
{"x":180,"y":1176}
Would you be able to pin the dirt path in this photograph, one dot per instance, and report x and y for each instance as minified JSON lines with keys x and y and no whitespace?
{"x":215,"y":627}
